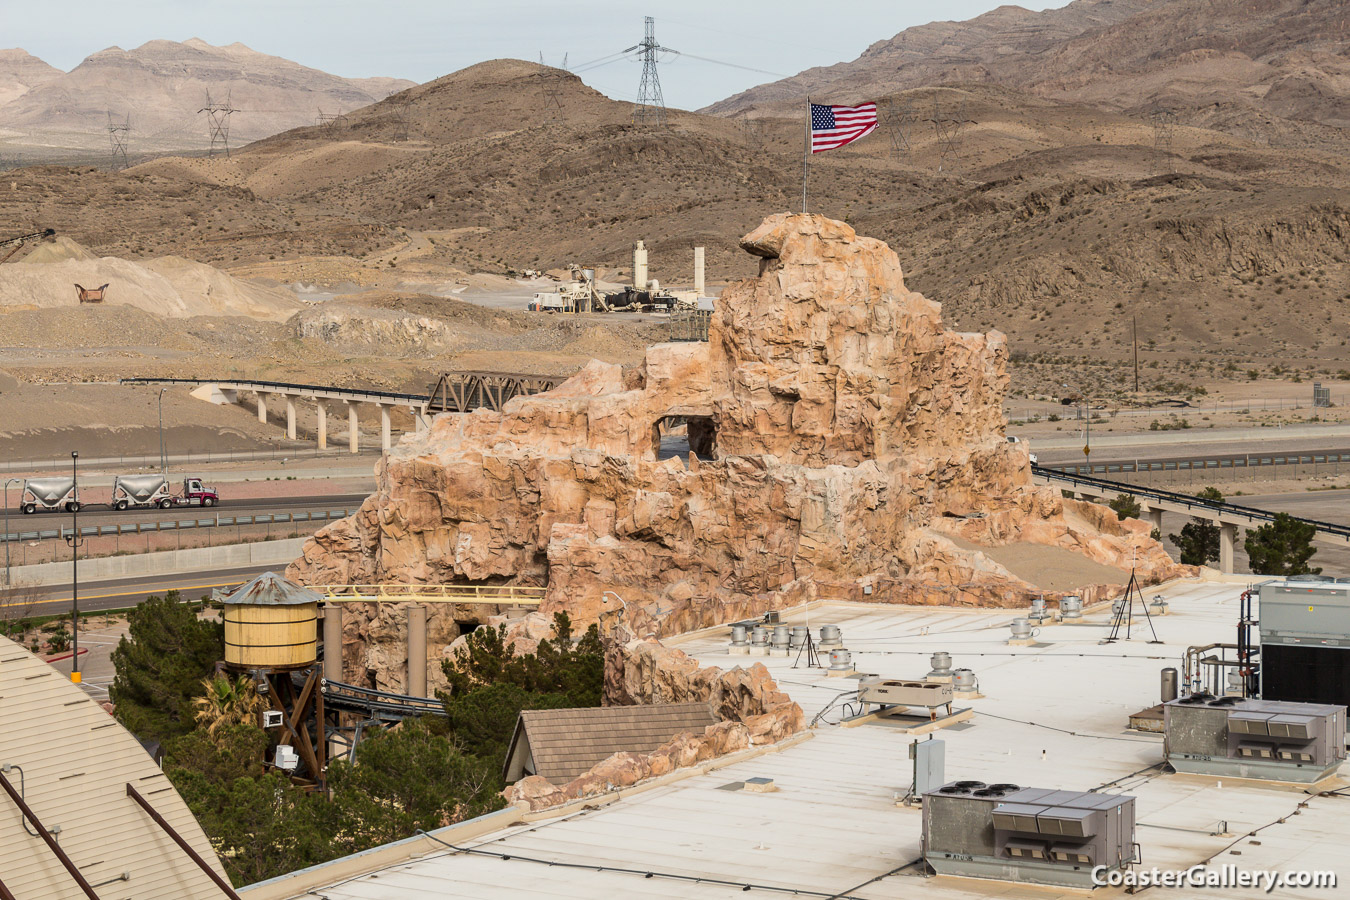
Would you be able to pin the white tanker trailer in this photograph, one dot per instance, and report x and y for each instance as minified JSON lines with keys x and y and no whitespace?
{"x":49,"y":494}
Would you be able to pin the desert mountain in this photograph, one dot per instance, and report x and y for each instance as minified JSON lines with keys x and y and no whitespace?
{"x":1248,"y":66}
{"x":21,"y":71}
{"x":163,"y":84}
{"x":1056,"y":221}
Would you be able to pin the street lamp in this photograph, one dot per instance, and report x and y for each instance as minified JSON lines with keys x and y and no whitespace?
{"x":7,"y":484}
{"x":163,"y":463}
{"x":73,"y":541}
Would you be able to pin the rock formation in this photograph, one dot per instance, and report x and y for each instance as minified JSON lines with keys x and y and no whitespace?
{"x":750,"y":708}
{"x":857,"y":451}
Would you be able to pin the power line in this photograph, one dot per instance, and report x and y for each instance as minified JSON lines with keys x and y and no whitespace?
{"x":551,"y":81}
{"x":117,"y":140}
{"x":650,"y":105}
{"x":218,"y":119}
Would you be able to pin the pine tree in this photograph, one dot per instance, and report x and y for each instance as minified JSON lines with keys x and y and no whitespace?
{"x":1282,"y":547}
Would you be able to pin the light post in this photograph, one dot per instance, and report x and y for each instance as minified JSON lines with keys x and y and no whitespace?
{"x":7,"y":484}
{"x":73,"y":541}
{"x":163,"y":462}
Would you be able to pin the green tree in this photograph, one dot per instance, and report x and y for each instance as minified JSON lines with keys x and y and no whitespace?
{"x":1125,"y":506}
{"x":1281,"y":547}
{"x":1199,"y":538}
{"x":409,"y":778}
{"x":159,"y":667}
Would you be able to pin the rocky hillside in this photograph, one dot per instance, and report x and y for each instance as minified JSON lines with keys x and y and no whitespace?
{"x":1255,"y":67}
{"x":163,"y":84}
{"x":20,"y":71}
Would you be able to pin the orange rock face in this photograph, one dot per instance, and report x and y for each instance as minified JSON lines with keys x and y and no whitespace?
{"x":850,"y":437}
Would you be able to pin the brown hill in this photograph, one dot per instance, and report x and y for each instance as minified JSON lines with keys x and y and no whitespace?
{"x":21,"y":71}
{"x":1057,"y":222}
{"x":163,"y":84}
{"x":1248,"y":66}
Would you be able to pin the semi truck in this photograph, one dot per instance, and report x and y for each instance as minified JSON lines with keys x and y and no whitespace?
{"x":128,"y":492}
{"x":144,"y":491}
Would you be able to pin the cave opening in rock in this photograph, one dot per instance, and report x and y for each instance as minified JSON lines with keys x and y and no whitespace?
{"x":679,"y":435}
{"x":467,"y":626}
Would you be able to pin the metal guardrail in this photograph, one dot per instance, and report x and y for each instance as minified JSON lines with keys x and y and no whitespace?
{"x":249,"y":383}
{"x":1210,"y":463}
{"x":1189,"y":501}
{"x":515,"y":595}
{"x":217,"y":521}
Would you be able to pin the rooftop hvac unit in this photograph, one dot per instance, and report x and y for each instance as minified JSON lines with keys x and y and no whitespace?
{"x":1269,"y":740}
{"x":1305,"y":641}
{"x":890,"y":692}
{"x":1026,"y":835}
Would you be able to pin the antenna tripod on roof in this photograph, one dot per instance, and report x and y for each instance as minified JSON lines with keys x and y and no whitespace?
{"x":1122,"y":613}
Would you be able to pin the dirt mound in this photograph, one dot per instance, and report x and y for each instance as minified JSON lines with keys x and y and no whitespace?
{"x":168,"y":286}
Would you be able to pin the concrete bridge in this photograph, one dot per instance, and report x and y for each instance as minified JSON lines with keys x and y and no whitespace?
{"x":1228,"y":516}
{"x":453,"y":392}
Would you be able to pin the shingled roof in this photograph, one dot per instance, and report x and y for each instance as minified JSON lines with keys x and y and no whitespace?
{"x":562,"y":744}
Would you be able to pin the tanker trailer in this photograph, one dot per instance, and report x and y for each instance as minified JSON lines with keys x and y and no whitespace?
{"x":49,"y":494}
{"x":139,"y":491}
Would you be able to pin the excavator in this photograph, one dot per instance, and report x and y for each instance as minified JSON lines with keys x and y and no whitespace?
{"x":14,"y":244}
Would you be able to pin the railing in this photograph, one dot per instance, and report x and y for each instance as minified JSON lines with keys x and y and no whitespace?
{"x":249,"y":384}
{"x":377,"y":704}
{"x":1190,"y":502}
{"x":217,"y":521}
{"x":510,"y":594}
{"x":1212,"y":462}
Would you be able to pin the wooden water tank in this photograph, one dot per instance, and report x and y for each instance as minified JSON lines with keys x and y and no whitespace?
{"x":271,"y":623}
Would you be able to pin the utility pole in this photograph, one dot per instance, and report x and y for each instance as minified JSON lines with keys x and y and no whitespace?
{"x":117,"y":140}
{"x":948,"y":128}
{"x":7,"y":484}
{"x":399,"y":106}
{"x":218,"y":120}
{"x":74,"y":542}
{"x":1136,"y":354}
{"x":650,"y":106}
{"x":898,"y":121}
{"x":1164,"y":124}
{"x":163,"y":461}
{"x":551,"y":82}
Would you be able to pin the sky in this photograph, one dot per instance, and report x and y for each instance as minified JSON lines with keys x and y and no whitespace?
{"x":424,"y":39}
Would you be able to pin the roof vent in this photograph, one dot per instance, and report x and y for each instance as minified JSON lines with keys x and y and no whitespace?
{"x":1226,"y":701}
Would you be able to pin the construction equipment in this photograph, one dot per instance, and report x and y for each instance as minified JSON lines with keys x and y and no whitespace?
{"x":16,"y":243}
{"x":145,"y":491}
{"x":91,"y":295}
{"x":49,"y":494}
{"x":578,"y":296}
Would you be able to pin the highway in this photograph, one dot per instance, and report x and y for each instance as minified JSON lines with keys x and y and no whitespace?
{"x":1191,"y":461}
{"x":100,"y":514}
{"x":121,"y":593}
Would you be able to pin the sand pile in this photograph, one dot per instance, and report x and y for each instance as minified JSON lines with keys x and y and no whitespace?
{"x":168,"y":286}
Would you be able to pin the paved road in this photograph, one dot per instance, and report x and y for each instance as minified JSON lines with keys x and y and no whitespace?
{"x":1068,"y":445}
{"x":101,"y":515}
{"x":1333,"y":459}
{"x":123,"y":592}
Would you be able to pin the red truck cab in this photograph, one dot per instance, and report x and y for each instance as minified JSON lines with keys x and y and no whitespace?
{"x":197,"y":494}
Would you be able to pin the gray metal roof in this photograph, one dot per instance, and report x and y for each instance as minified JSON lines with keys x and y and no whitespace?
{"x":268,"y":589}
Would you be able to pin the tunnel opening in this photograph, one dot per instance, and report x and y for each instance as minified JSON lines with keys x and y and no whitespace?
{"x":680,"y":435}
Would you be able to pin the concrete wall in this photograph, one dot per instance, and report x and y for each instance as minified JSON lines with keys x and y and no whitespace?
{"x":171,"y":562}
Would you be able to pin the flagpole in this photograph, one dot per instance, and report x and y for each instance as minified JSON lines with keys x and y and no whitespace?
{"x":806,"y":152}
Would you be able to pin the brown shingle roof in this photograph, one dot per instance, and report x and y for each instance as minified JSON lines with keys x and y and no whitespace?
{"x":566,"y":743}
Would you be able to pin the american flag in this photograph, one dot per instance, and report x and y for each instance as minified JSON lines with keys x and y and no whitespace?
{"x":835,"y":126}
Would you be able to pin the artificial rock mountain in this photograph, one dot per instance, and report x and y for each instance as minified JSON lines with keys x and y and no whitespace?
{"x":851,"y":448}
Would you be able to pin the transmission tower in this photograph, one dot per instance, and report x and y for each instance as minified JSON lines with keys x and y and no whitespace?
{"x":551,"y":81}
{"x":753,"y":132}
{"x":218,"y":118}
{"x":400,"y":107}
{"x":117,"y":141}
{"x":899,"y":120}
{"x":1164,"y":125}
{"x":331,"y":123}
{"x":949,"y":125}
{"x":650,"y":107}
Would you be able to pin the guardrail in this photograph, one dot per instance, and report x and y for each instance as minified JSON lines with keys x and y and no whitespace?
{"x":217,"y":521}
{"x":515,"y":595}
{"x":250,"y":383}
{"x":1210,"y":463}
{"x":1190,"y":502}
{"x":378,"y":704}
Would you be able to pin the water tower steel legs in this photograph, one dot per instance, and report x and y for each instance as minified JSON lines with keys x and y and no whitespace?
{"x":417,"y":650}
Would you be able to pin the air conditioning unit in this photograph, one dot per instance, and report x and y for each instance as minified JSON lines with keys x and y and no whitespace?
{"x":1026,"y":835}
{"x":286,"y":758}
{"x":1270,"y":740}
{"x":885,"y":692}
{"x":272,"y":718}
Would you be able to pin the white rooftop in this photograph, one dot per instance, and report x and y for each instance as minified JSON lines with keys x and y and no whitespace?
{"x":1053,"y":715}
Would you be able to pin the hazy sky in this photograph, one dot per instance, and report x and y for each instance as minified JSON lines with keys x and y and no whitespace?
{"x":424,"y":39}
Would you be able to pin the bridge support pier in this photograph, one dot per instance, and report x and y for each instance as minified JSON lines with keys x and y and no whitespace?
{"x":417,"y":650}
{"x":420,"y":423}
{"x":290,"y":417}
{"x":322,"y":409}
{"x":262,"y":407}
{"x":1227,"y":541}
{"x":385,"y":442}
{"x":1154,"y":517}
{"x":353,"y":429}
{"x":332,"y":641}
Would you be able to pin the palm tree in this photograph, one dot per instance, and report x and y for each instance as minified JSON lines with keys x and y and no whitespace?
{"x":227,"y":702}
